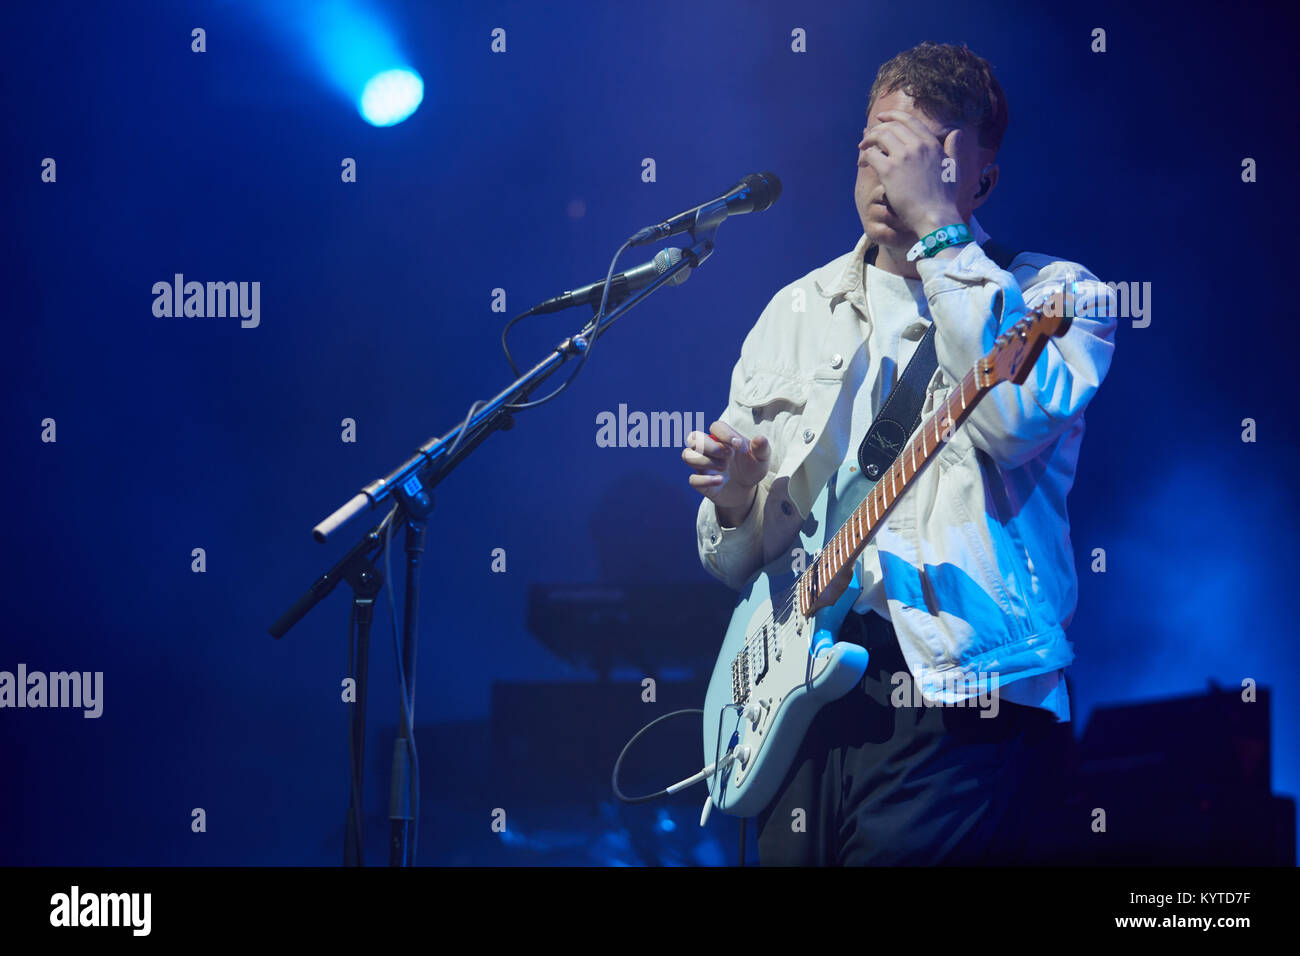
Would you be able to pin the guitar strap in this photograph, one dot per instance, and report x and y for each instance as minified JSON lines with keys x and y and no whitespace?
{"x":901,"y":413}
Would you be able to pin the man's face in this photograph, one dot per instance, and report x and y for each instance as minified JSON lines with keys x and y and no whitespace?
{"x":878,"y":219}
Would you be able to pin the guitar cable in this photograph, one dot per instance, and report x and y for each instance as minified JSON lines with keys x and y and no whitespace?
{"x":669,"y":790}
{"x":722,"y":763}
{"x":725,"y":762}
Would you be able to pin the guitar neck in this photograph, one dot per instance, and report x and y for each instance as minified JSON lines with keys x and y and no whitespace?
{"x":847,"y":543}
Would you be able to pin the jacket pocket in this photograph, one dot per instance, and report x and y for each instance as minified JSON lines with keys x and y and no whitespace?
{"x":768,"y":393}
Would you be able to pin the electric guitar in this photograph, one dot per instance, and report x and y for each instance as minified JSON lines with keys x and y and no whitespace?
{"x":780,"y":661}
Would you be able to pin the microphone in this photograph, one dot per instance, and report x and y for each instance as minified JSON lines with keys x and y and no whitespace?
{"x":754,"y":193}
{"x":621,"y":285}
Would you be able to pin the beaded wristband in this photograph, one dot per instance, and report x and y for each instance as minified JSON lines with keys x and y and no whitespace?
{"x":939,"y":240}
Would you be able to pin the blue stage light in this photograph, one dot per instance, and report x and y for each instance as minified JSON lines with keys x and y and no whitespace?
{"x":391,"y":96}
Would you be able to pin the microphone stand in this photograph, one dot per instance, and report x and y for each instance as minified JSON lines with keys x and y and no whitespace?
{"x":411,"y":484}
{"x":357,"y":570}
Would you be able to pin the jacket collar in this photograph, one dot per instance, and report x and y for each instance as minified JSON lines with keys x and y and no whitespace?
{"x":849,"y":280}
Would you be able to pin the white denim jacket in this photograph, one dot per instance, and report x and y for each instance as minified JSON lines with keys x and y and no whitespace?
{"x":976,"y":560}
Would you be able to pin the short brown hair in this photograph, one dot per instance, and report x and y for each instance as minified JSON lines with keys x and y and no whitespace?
{"x":951,"y":84}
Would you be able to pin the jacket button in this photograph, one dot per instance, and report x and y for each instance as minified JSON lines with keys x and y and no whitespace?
{"x":808,"y":435}
{"x":785,"y":508}
{"x":837,"y":360}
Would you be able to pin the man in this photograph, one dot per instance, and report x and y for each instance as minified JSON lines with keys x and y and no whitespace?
{"x":972,"y":574}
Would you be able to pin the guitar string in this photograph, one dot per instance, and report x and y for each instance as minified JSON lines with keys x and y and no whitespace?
{"x":786,"y":605}
{"x":790,"y":596}
{"x":810,"y":573}
{"x":901,"y":479}
{"x":942,"y":415}
{"x":791,"y":593}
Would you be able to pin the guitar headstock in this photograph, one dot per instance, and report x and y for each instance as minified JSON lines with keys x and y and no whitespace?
{"x":1017,"y":349}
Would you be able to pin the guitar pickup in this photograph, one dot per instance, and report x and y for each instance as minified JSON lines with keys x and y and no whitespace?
{"x":757,"y":653}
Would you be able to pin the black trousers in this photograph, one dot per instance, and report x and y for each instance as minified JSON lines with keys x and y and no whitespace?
{"x":879,"y":784}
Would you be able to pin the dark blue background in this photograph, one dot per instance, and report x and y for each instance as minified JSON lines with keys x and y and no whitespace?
{"x":175,"y":433}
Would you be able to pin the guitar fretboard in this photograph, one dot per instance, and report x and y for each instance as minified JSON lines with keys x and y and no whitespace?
{"x":847,"y":543}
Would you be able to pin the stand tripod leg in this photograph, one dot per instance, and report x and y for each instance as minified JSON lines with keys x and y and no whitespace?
{"x":403,"y":814}
{"x":366,"y":583}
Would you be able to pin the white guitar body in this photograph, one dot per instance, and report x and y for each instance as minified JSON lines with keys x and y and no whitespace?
{"x":776,"y":670}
